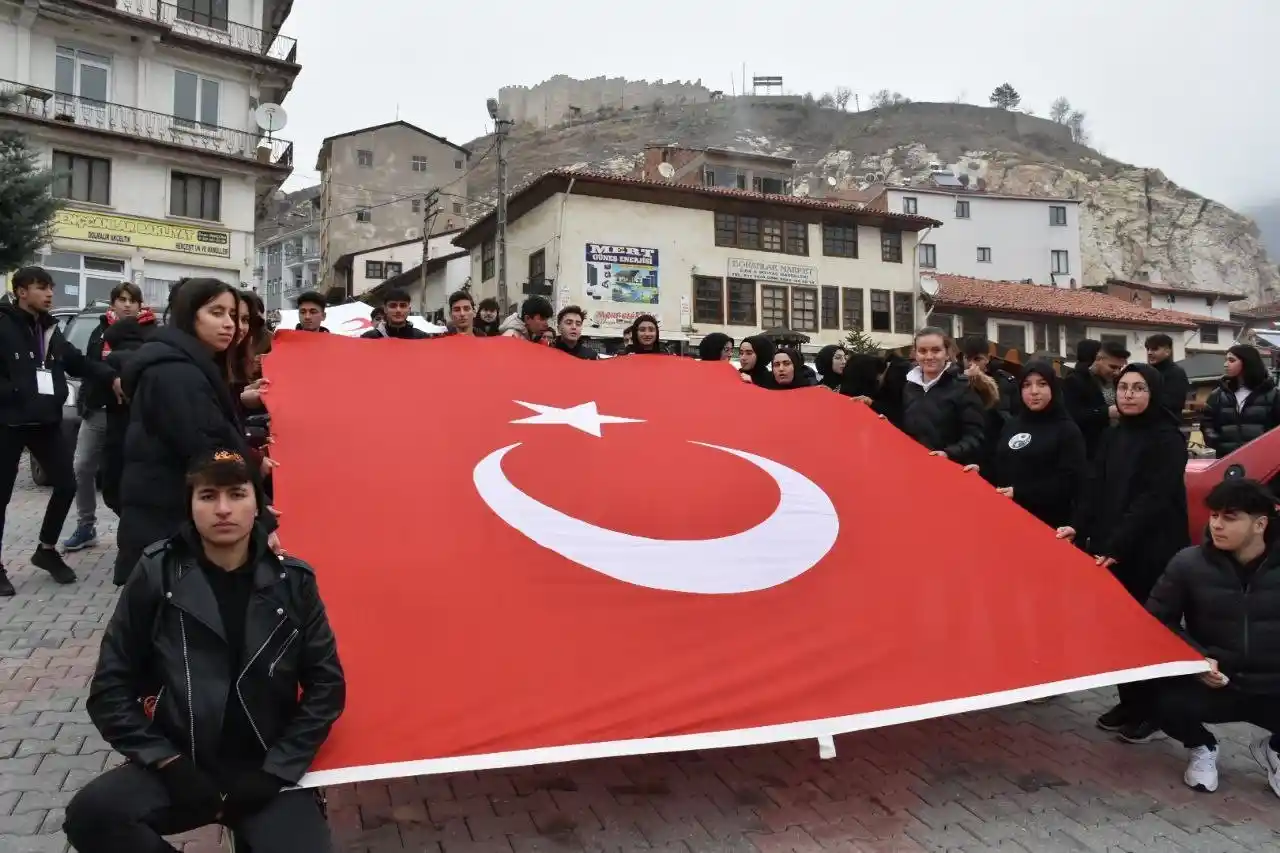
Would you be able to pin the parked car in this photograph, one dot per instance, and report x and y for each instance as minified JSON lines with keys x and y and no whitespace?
{"x":1257,"y":460}
{"x":77,"y":326}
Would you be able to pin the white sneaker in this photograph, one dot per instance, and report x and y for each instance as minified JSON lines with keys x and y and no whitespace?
{"x":1202,"y":769}
{"x":1268,"y":761}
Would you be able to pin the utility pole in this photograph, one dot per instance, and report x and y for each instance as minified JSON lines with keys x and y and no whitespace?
{"x":501,"y":127}
{"x":428,"y":222}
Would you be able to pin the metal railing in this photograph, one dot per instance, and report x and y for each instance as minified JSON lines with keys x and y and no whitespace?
{"x":33,"y":102}
{"x":214,"y":29}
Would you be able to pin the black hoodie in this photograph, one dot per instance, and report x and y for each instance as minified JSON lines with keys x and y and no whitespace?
{"x":1087,"y":405}
{"x":825,"y":363}
{"x":28,"y":342}
{"x":1134,"y":505}
{"x":764,"y":349}
{"x":1041,"y":455}
{"x":579,"y":350}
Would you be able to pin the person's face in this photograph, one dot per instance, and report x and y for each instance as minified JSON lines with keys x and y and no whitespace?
{"x":1108,"y":367}
{"x":1234,"y":366}
{"x":397,"y":312}
{"x":242,"y":320}
{"x":979,"y":361}
{"x":1036,"y":393}
{"x":488,"y":315}
{"x":838,"y":361}
{"x":1155,"y":355}
{"x":547,"y":338}
{"x":36,"y":297}
{"x":310,"y":316}
{"x":216,"y":322}
{"x":784,"y":370}
{"x":570,"y":328}
{"x":646,"y":333}
{"x":931,"y":354}
{"x":463,"y":314}
{"x":224,"y":515}
{"x":1132,"y":394}
{"x":747,"y":356}
{"x":125,"y":306}
{"x":537,"y":325}
{"x":627,"y":337}
{"x":1232,"y":530}
{"x":727,"y":352}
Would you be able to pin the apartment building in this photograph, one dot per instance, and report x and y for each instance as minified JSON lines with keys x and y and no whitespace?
{"x":288,"y":247}
{"x":1216,"y":327}
{"x":704,"y":259}
{"x":145,"y":109}
{"x":717,"y":167}
{"x":372,"y":188}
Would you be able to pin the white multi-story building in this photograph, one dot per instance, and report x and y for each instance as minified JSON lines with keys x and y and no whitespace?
{"x":992,"y":236}
{"x":145,"y":109}
{"x":288,"y":248}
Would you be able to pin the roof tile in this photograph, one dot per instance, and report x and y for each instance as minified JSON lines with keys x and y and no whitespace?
{"x":955,"y":291}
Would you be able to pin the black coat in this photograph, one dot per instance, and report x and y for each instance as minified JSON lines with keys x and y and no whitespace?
{"x":166,"y":639}
{"x":95,"y":394}
{"x":580,"y":351}
{"x":23,"y":338}
{"x":124,"y":337}
{"x":950,"y":417}
{"x":180,"y":409}
{"x":1228,"y":426}
{"x":1175,"y":386}
{"x":1041,"y":456}
{"x":408,"y":332}
{"x":1231,"y":616}
{"x":1087,"y":405}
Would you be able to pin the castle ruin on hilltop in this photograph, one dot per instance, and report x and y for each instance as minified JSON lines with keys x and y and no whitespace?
{"x":561,"y":98}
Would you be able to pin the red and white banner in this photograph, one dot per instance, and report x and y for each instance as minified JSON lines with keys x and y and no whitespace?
{"x":531,"y":558}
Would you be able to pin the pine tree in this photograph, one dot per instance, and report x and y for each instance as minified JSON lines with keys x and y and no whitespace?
{"x":858,"y":342}
{"x":26,"y":207}
{"x":1005,"y":97}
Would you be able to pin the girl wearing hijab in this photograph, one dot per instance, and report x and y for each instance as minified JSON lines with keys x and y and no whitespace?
{"x":862,"y":377}
{"x":716,"y":346}
{"x":755,"y":354}
{"x":939,"y":407}
{"x":1244,"y":406}
{"x":645,"y":340}
{"x":831,"y":362}
{"x":789,"y":372}
{"x":1132,"y":515}
{"x":1039,"y":460}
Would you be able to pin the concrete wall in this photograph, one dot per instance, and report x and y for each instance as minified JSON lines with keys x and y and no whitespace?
{"x":547,"y":104}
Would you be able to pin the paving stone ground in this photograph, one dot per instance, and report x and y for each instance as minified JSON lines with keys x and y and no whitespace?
{"x":1024,"y":779}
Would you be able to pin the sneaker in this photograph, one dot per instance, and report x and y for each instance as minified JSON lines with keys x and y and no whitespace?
{"x":1114,"y":720}
{"x":1268,"y":760}
{"x":1202,"y":769}
{"x":6,"y":585}
{"x":82,"y":538}
{"x":1140,"y":732}
{"x":51,"y":561}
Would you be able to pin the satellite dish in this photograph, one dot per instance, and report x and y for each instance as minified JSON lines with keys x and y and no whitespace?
{"x":929,"y":286}
{"x":831,"y":182}
{"x":271,"y":117}
{"x":666,"y":170}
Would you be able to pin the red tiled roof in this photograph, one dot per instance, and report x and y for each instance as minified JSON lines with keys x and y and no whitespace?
{"x":957,"y":291}
{"x":1169,"y":288}
{"x":1265,"y":311}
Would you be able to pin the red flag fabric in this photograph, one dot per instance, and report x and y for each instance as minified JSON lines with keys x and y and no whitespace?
{"x":529,"y":558}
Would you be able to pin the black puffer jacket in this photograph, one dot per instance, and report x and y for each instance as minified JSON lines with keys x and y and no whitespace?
{"x":1087,"y":405}
{"x":166,"y":639}
{"x":581,"y":350}
{"x":1229,"y":426}
{"x":1232,"y":616}
{"x":29,"y":342}
{"x":125,"y":338}
{"x":948,"y":417}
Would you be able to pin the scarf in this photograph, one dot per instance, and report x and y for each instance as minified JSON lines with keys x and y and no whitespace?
{"x":146,"y":315}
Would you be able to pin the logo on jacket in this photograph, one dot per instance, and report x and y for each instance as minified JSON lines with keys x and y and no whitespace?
{"x":1020,"y":441}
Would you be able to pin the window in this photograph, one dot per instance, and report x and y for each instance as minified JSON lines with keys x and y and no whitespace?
{"x":82,"y":74}
{"x":391,"y":269}
{"x":773,"y":306}
{"x":488,"y":260}
{"x":364,"y":214}
{"x":206,"y":13}
{"x":909,"y":205}
{"x":748,"y":232}
{"x":457,"y":164}
{"x":538,"y":284}
{"x":82,"y":178}
{"x":830,"y":307}
{"x":726,"y":229}
{"x":742,"y":302}
{"x":373,"y":269}
{"x":839,"y":240}
{"x":797,"y":238}
{"x":1115,"y":339}
{"x":457,"y":207}
{"x":195,"y":196}
{"x":804,"y":309}
{"x":851,"y":317}
{"x":984,"y":254}
{"x":880,"y":311}
{"x":1075,"y":334}
{"x":419,"y":163}
{"x":945,"y":322}
{"x":708,"y":300}
{"x":962,"y":209}
{"x":771,"y":235}
{"x":1011,"y":336}
{"x":80,"y":280}
{"x":1057,"y":214}
{"x":195,"y":99}
{"x":928,"y":255}
{"x":416,"y":205}
{"x":973,"y":324}
{"x":1046,"y":337}
{"x":769,"y":186}
{"x":1061,"y":261}
{"x":364,"y":158}
{"x":904,"y":313}
{"x":767,"y":235}
{"x":891,"y":247}
{"x":1208,"y":334}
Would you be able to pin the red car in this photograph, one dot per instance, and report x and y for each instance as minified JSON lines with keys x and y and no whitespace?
{"x":1257,"y":460}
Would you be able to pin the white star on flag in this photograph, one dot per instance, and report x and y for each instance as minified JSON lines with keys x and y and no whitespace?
{"x":584,"y":416}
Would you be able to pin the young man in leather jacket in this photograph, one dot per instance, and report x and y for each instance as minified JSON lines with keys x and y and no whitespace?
{"x":218,"y":680}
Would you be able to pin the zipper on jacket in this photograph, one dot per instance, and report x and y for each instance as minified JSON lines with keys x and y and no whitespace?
{"x":186,"y":664}
{"x":271,"y":670}
{"x":244,"y":704}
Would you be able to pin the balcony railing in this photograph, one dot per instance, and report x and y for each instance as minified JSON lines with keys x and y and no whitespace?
{"x":212,"y":28}
{"x":33,"y":102}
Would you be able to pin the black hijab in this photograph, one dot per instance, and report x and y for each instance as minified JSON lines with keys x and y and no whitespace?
{"x":825,"y":363}
{"x":800,"y":376}
{"x":1056,"y":410}
{"x":861,"y":376}
{"x":711,"y":347}
{"x":1155,"y":414}
{"x":764,"y":350}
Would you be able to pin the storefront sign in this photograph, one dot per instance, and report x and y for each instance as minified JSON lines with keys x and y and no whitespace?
{"x":141,"y":233}
{"x":614,"y":319}
{"x":626,"y":274}
{"x":775,"y":271}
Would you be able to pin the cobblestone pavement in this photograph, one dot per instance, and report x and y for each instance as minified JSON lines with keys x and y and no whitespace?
{"x":1025,"y":778}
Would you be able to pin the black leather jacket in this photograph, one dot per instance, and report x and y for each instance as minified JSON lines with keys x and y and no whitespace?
{"x":165,"y":639}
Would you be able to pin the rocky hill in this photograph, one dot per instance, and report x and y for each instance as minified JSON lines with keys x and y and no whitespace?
{"x":1132,"y":218}
{"x":1268,"y":218}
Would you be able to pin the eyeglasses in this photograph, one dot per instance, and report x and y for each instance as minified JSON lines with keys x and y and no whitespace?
{"x":1133,"y":390}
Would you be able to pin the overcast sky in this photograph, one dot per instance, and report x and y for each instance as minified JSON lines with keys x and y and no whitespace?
{"x":1165,"y":83}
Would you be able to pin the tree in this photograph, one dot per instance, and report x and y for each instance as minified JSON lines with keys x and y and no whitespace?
{"x":1075,"y":122}
{"x":885,"y":98}
{"x":1059,"y":110}
{"x":858,"y":342}
{"x":26,"y":207}
{"x":1005,"y":97}
{"x":827,"y":101}
{"x":843,"y":95}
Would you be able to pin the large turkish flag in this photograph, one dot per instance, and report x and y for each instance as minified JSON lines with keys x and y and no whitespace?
{"x":530,"y":558}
